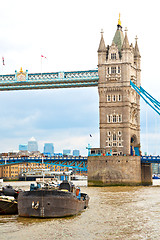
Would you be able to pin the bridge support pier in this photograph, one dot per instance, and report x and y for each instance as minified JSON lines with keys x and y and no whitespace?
{"x":146,"y":173}
{"x":117,"y":170}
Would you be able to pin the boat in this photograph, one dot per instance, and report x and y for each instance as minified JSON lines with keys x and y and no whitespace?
{"x":8,"y":201}
{"x":41,"y":173}
{"x":49,"y":201}
{"x":155,"y":177}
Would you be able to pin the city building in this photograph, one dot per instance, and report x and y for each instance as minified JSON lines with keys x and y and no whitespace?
{"x":76,"y":153}
{"x":66,"y":152}
{"x":48,"y":149}
{"x":155,"y":168}
{"x":32,"y":145}
{"x":13,"y":171}
{"x":23,"y":147}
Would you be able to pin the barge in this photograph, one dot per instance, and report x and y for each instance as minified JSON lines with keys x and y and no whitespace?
{"x":51,"y":201}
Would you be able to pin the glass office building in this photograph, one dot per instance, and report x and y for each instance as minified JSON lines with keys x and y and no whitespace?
{"x":48,"y":149}
{"x":32,"y":145}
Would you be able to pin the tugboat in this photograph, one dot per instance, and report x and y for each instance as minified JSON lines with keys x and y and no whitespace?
{"x":50,"y":201}
{"x":8,"y":201}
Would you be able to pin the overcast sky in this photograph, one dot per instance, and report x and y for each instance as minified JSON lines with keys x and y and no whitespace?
{"x":68,"y":34}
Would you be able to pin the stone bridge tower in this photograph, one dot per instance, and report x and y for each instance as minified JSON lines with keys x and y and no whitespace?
{"x":119,"y":110}
{"x":119,"y":104}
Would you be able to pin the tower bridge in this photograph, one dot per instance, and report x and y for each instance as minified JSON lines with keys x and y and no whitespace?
{"x":24,"y":81}
{"x":118,"y":78}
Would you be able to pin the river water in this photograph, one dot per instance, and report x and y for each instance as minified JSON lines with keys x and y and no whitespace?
{"x":114,"y":213}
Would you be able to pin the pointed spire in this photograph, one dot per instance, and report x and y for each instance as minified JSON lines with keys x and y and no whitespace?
{"x":102,"y":46}
{"x":119,"y":21}
{"x":125,"y":42}
{"x":136,"y":49}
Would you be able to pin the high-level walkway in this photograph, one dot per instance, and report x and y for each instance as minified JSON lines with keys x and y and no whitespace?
{"x":25,"y":81}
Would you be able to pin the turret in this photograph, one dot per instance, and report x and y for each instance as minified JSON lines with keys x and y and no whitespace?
{"x":126,"y":50}
{"x":102,"y":50}
{"x":137,"y":55}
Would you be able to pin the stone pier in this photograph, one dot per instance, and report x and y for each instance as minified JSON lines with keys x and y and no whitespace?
{"x":118,"y":170}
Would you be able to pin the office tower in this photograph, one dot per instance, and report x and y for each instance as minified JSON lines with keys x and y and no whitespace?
{"x":32,"y":145}
{"x":48,"y":149}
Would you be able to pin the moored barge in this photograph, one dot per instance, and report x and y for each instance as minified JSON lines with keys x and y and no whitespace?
{"x":49,"y":201}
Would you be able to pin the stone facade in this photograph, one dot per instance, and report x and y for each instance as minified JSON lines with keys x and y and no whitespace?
{"x":118,"y":170}
{"x":119,"y":104}
{"x":118,"y":161}
{"x":114,"y":170}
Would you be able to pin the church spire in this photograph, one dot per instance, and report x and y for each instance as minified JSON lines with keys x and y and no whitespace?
{"x":102,"y":46}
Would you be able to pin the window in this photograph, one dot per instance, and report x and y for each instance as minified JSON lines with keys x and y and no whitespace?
{"x":114,"y":137}
{"x":114,"y":118}
{"x":119,"y":138}
{"x":109,"y":133}
{"x":119,"y":133}
{"x":120,"y":144}
{"x":114,"y":144}
{"x":113,"y":70}
{"x":119,"y":97}
{"x":114,"y":98}
{"x":113,"y":55}
{"x":120,"y":118}
{"x":108,"y":70}
{"x":119,"y":70}
{"x":108,"y":98}
{"x":109,"y":118}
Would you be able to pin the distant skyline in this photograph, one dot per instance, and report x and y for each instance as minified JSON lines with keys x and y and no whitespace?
{"x":68,"y":34}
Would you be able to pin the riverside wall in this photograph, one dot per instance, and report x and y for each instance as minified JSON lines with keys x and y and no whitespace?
{"x":118,"y":170}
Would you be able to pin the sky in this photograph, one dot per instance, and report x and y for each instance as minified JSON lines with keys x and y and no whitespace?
{"x":68,"y":34}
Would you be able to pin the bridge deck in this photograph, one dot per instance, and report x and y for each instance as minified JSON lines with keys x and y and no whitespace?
{"x":25,"y":81}
{"x":74,"y":162}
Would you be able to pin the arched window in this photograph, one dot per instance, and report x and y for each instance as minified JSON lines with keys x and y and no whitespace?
{"x":114,"y":137}
{"x":108,"y":98}
{"x":120,"y":118}
{"x":114,"y":98}
{"x":114,"y":118}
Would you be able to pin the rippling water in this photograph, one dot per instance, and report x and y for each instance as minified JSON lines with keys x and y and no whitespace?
{"x":114,"y":213}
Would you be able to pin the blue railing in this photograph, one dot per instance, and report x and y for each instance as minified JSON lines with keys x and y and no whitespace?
{"x":79,"y":163}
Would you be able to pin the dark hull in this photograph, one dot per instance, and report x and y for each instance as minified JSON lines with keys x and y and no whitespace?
{"x":50,"y":203}
{"x":8,"y":207}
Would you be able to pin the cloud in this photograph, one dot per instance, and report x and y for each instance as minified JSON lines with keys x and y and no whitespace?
{"x":68,"y":33}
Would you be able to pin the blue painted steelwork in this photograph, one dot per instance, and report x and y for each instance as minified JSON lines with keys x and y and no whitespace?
{"x":150,"y":159}
{"x":79,"y":163}
{"x":151,"y":101}
{"x":48,"y":80}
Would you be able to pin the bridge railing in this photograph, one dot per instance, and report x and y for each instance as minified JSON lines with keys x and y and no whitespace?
{"x":74,"y":162}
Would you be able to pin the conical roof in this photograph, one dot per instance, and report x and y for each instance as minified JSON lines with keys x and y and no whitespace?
{"x":119,"y":37}
{"x":136,"y":49}
{"x":125,"y":42}
{"x":102,"y":46}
